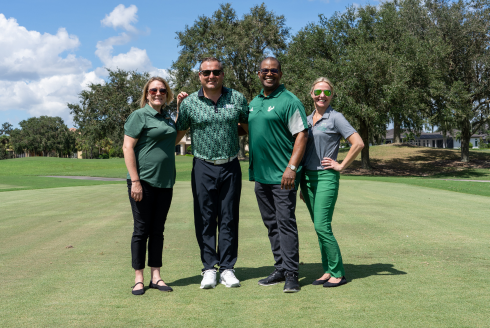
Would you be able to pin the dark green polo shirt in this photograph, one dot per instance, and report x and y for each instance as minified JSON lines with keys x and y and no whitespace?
{"x":272,"y":123}
{"x":155,"y":149}
{"x":214,"y":127}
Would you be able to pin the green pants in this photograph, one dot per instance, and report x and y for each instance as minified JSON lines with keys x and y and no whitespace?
{"x":320,"y":190}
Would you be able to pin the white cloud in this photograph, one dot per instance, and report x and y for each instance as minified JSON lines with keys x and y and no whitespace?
{"x":47,"y":96}
{"x":40,"y":72}
{"x":122,"y":17}
{"x":30,"y":55}
{"x":35,"y":76}
{"x":135,"y":59}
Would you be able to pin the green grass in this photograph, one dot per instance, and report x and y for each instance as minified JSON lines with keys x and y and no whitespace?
{"x":467,"y":187}
{"x":36,"y":166}
{"x":13,"y":183}
{"x":414,"y":257}
{"x":26,"y":173}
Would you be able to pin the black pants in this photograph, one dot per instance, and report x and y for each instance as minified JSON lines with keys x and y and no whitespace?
{"x":277,"y":208}
{"x":149,"y":216}
{"x":216,"y":190}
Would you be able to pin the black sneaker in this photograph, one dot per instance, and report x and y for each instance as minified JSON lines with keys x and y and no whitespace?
{"x":292,"y":284}
{"x":274,"y":278}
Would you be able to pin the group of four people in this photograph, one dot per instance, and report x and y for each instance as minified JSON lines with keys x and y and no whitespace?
{"x":286,"y":149}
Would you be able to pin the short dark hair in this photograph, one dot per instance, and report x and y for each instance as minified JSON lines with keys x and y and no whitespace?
{"x":210,"y":59}
{"x":272,"y":58}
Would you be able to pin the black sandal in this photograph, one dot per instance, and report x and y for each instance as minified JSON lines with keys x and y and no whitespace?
{"x":161,"y":288}
{"x":138,"y":291}
{"x":342,"y":281}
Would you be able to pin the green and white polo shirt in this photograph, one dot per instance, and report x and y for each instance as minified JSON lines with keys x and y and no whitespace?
{"x":273,"y":122}
{"x":214,"y":127}
{"x":155,"y":149}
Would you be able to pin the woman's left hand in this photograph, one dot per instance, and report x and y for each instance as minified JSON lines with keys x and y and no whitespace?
{"x":330,"y":164}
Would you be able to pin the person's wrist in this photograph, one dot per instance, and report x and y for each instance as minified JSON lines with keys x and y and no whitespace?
{"x":293,"y":167}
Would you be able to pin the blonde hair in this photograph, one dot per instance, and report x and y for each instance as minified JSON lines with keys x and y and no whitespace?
{"x":170,"y":94}
{"x":322,"y":79}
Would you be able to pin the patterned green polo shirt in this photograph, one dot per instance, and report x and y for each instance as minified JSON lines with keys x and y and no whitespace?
{"x":214,"y":127}
{"x":272,"y":125}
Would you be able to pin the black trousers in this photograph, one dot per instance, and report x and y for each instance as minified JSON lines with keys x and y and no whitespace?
{"x":277,"y":208}
{"x":216,"y":190}
{"x":149,"y":216}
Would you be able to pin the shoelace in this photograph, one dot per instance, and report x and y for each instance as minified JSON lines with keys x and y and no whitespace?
{"x":229,"y":272}
{"x":207,"y":272}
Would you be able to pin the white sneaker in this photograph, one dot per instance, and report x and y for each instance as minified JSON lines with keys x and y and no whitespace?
{"x":227,"y":278}
{"x":208,"y":279}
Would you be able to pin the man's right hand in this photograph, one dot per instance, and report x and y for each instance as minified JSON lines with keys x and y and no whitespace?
{"x":288,"y":178}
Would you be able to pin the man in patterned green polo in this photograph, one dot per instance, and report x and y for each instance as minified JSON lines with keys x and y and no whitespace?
{"x":213,"y":114}
{"x":278,"y":131}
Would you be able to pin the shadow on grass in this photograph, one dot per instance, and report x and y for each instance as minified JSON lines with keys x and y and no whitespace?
{"x":308,"y":272}
{"x":464,"y":174}
{"x":313,"y":271}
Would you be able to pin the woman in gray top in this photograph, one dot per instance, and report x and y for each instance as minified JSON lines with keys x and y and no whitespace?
{"x":320,"y":182}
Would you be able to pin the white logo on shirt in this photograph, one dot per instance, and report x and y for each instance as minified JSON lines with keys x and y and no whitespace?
{"x":270,"y":108}
{"x":230,"y":106}
{"x":251,"y":109}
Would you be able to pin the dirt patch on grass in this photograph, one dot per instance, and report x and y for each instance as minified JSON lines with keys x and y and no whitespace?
{"x":409,"y":160}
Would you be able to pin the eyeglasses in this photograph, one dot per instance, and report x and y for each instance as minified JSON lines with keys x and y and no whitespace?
{"x":207,"y":72}
{"x":154,"y":91}
{"x":266,"y":71}
{"x":318,"y":92}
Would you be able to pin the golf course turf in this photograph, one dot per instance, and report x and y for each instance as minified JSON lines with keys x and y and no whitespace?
{"x":414,"y":257}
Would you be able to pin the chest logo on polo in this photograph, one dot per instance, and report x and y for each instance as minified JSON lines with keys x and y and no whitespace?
{"x":270,"y":108}
{"x":251,"y":109}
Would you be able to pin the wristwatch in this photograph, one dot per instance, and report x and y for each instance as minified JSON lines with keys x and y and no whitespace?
{"x":292,"y":167}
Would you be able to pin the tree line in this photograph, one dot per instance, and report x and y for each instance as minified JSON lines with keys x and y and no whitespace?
{"x":39,"y":135}
{"x":411,"y":63}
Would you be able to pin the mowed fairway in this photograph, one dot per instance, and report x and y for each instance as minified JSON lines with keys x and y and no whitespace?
{"x":414,"y":257}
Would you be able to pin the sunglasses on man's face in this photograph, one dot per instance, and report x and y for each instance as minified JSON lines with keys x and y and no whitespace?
{"x":318,"y":92}
{"x":207,"y":72}
{"x":266,"y":71}
{"x":154,"y":91}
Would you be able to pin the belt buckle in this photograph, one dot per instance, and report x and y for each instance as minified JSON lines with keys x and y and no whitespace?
{"x":220,"y":161}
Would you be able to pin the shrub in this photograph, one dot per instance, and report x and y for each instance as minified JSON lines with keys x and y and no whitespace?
{"x":189,"y":149}
{"x":471,"y":145}
{"x":3,"y":152}
{"x":116,"y":152}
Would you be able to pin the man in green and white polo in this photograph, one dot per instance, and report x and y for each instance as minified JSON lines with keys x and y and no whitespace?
{"x":278,"y":132}
{"x":213,"y":114}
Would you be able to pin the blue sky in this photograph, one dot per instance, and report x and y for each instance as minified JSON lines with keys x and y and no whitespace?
{"x":51,"y":49}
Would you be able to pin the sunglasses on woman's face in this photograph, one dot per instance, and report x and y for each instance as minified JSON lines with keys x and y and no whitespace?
{"x":318,"y":92}
{"x":154,"y":91}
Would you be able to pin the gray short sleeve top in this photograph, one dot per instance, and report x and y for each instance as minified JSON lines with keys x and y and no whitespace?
{"x":324,"y":138}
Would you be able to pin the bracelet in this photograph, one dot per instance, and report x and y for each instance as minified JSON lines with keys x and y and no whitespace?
{"x":134,"y":180}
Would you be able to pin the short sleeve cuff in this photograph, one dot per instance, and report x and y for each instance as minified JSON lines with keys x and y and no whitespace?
{"x":296,"y":123}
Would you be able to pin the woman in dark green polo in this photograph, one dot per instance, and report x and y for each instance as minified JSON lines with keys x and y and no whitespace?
{"x":149,"y":153}
{"x":320,"y":182}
